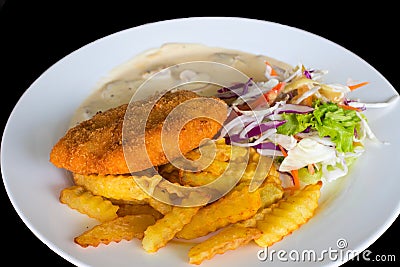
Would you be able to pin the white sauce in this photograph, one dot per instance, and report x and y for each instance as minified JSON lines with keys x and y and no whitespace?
{"x":123,"y":81}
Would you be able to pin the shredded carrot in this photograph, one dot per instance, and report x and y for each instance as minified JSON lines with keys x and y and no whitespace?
{"x":283,"y":151}
{"x":273,"y":72}
{"x":349,"y":107}
{"x":268,"y":96}
{"x":357,"y":143}
{"x":358,"y":85}
{"x":298,"y":138}
{"x":278,"y":87}
{"x":275,"y":90}
{"x":295,"y":173}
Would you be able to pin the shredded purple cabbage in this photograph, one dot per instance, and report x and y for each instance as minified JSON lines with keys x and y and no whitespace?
{"x":233,"y":87}
{"x":307,"y":130}
{"x":246,"y":86}
{"x":233,"y":91}
{"x":267,"y":145}
{"x":262,"y":127}
{"x":234,"y":138}
{"x":307,"y":74}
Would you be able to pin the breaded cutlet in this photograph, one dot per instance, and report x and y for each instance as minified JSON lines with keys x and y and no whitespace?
{"x":95,"y":146}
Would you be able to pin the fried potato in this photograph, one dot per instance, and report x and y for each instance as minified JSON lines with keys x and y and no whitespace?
{"x":159,"y":206}
{"x":223,"y":152}
{"x":120,"y":202}
{"x":270,"y":192}
{"x":159,"y":234}
{"x":237,"y":205}
{"x":254,"y":170}
{"x":216,"y":154}
{"x":217,"y":167}
{"x":135,"y":209}
{"x":252,"y":222}
{"x":97,"y":207}
{"x":169,"y":172}
{"x":288,"y":215}
{"x":230,"y":153}
{"x":197,"y":178}
{"x":203,"y":162}
{"x":121,"y":228}
{"x":259,"y":169}
{"x":121,"y":187}
{"x":228,"y":239}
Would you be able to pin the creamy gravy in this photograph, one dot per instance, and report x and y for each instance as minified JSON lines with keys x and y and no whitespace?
{"x":123,"y":81}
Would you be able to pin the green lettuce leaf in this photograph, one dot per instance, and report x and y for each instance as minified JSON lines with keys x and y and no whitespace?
{"x":295,"y":123}
{"x":329,"y":120}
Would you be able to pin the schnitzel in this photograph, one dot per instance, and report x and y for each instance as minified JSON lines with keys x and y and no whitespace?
{"x":124,"y":140}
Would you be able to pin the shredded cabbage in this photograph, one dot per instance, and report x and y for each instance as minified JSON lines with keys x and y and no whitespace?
{"x":307,"y":151}
{"x":300,"y":121}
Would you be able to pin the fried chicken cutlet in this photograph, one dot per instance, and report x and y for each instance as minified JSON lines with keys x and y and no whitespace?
{"x":97,"y":145}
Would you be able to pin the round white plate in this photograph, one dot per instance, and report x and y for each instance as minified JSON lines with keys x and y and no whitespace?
{"x":365,"y":205}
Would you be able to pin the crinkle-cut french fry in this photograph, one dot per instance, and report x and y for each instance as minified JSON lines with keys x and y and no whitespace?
{"x":252,"y":222}
{"x":128,"y":202}
{"x":202,"y":171}
{"x":270,"y":193}
{"x":121,"y":187}
{"x":223,"y":152}
{"x":159,"y":206}
{"x":159,"y":234}
{"x":217,"y":167}
{"x":97,"y":207}
{"x":228,"y":239}
{"x":237,"y":205}
{"x":121,"y":228}
{"x":288,"y":214}
{"x":136,"y":209}
{"x":169,"y":172}
{"x":260,"y":168}
{"x":197,"y":178}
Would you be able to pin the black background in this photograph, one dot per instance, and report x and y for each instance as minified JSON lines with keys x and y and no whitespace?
{"x":36,"y":34}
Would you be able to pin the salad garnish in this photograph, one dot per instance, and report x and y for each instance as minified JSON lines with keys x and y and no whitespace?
{"x":311,"y":128}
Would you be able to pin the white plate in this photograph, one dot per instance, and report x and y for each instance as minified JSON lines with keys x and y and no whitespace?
{"x":42,"y":115}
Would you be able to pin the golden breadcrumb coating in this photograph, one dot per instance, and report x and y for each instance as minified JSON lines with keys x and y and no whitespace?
{"x":95,"y":146}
